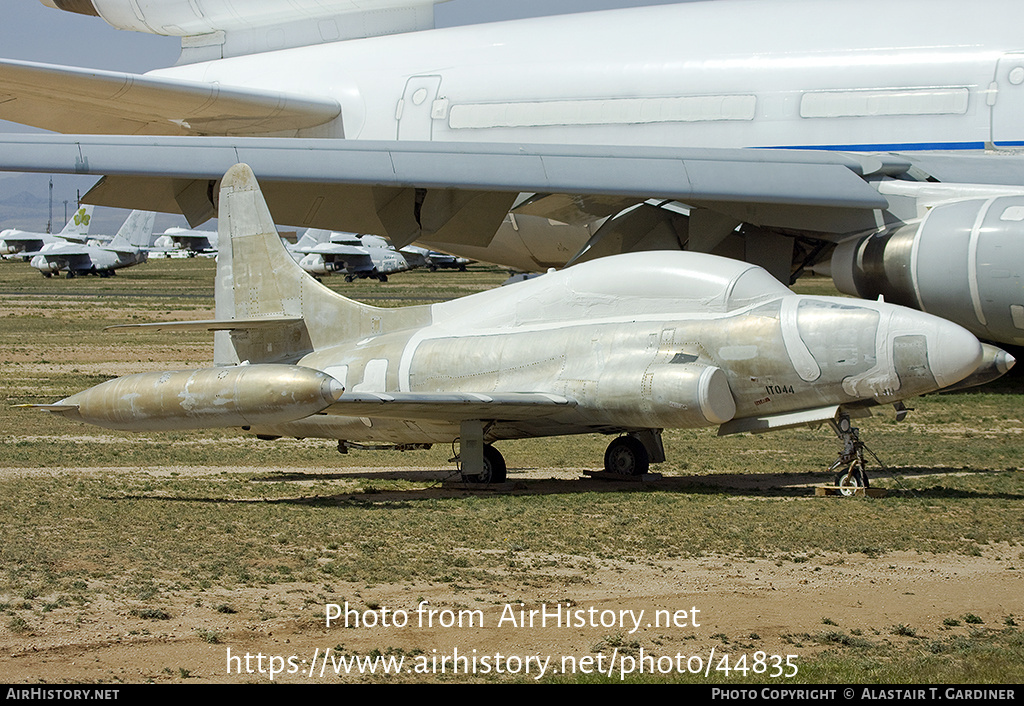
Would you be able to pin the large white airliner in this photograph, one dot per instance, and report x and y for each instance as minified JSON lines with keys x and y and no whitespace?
{"x":876,"y":137}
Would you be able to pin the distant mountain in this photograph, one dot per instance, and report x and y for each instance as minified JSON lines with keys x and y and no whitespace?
{"x":24,"y":204}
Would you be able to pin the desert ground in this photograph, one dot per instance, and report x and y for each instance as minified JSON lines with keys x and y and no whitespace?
{"x":214,"y":558}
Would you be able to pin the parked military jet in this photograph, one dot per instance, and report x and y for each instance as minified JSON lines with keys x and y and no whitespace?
{"x":626,"y":345}
{"x":322,"y":252}
{"x":187,"y":241}
{"x":129,"y":247}
{"x":14,"y":241}
{"x":610,"y":111}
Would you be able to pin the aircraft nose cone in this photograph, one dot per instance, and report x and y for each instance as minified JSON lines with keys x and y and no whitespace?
{"x":953,"y":354}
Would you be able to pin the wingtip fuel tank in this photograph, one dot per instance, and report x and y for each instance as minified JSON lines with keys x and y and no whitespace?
{"x":233,"y":396}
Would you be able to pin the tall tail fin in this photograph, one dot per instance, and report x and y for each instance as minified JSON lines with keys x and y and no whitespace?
{"x":77,"y":226}
{"x":135,"y":232}
{"x":257,"y":278}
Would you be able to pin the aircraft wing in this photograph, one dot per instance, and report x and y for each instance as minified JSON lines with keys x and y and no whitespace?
{"x":457,"y":406}
{"x":66,"y":99}
{"x":458,"y":193}
{"x":27,"y":239}
{"x":61,"y":251}
{"x":334,"y":249}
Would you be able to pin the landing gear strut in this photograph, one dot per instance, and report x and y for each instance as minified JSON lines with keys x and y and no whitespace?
{"x":481,"y":462}
{"x":850,"y":464}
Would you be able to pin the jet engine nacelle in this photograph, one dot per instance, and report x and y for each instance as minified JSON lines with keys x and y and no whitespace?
{"x":183,"y":18}
{"x":669,"y":396}
{"x":964,"y":261}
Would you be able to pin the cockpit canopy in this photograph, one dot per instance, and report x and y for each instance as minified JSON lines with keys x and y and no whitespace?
{"x":629,"y":285}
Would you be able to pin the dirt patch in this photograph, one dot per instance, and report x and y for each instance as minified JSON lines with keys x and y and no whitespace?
{"x":727,"y":604}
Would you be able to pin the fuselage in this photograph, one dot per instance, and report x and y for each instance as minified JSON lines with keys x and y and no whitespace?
{"x":864,"y":76}
{"x":696,"y":341}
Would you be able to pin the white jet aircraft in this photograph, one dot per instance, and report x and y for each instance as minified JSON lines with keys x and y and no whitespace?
{"x":128,"y":247}
{"x":187,"y":241}
{"x":322,"y":252}
{"x":875,"y":138}
{"x":14,"y":241}
{"x":625,"y":345}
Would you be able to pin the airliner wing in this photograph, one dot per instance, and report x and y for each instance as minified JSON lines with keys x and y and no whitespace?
{"x":457,"y":193}
{"x":66,"y":99}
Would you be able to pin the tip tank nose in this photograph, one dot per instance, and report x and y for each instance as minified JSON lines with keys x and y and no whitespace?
{"x":1004,"y":362}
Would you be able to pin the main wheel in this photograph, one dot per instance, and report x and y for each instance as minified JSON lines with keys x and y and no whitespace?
{"x":627,"y":456}
{"x":495,"y":470}
{"x":850,"y":480}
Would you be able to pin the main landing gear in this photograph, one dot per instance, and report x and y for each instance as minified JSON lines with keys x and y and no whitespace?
{"x":494,"y":470}
{"x":851,"y":475}
{"x":626,"y":456}
{"x":481,"y":463}
{"x":629,"y":455}
{"x":633,"y":454}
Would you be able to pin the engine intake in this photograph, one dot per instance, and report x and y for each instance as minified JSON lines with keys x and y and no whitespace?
{"x":963,"y":261}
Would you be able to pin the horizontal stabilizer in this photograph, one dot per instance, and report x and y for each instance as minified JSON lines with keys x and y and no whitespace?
{"x":263,"y":322}
{"x":68,"y":99}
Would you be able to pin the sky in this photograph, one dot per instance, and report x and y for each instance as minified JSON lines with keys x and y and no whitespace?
{"x":31,"y":31}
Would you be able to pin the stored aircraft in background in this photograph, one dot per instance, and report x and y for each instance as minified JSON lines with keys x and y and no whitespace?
{"x":880,"y":154}
{"x":323,"y":252}
{"x":187,"y":241}
{"x":128,"y":247}
{"x":626,"y":345}
{"x":14,"y":241}
{"x":440,"y":260}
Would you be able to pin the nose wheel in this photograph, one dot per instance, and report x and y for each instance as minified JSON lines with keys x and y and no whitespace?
{"x":850,"y":464}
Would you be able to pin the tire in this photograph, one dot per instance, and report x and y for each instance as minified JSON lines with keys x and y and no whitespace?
{"x":627,"y":456}
{"x":850,"y":481}
{"x":495,"y":470}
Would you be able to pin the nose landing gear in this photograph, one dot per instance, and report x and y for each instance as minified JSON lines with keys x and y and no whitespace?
{"x":850,"y":464}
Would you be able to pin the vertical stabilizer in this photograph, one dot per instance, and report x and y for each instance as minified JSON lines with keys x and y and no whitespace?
{"x":77,"y":226}
{"x":257,"y":278}
{"x":135,"y":232}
